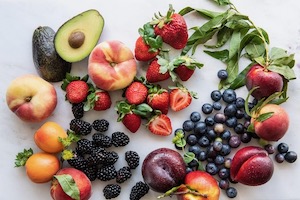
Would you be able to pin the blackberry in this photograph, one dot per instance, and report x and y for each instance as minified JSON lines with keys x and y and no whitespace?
{"x":119,"y":139}
{"x":91,"y":172}
{"x":123,"y":174}
{"x":139,"y":190}
{"x":106,"y":173}
{"x":102,"y":140}
{"x":97,"y":156}
{"x":84,"y":146}
{"x":111,"y":158}
{"x":77,"y":110}
{"x":111,"y":191}
{"x":100,"y":125}
{"x":80,"y":127}
{"x":132,"y":158}
{"x":78,"y":161}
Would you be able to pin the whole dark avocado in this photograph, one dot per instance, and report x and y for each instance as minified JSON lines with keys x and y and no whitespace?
{"x":48,"y":63}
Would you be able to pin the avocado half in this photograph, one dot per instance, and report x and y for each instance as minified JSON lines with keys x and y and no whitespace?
{"x":77,"y":37}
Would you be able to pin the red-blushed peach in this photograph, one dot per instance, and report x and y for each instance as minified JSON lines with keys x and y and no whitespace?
{"x":268,"y":82}
{"x":252,"y":166}
{"x":81,"y":180}
{"x":273,"y":128}
{"x":112,"y":65}
{"x":31,"y":98}
{"x":202,"y":183}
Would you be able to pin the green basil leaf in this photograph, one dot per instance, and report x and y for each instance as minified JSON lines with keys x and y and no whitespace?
{"x":237,"y":24}
{"x":240,"y":80}
{"x":277,"y":53}
{"x":260,"y":60}
{"x":222,"y":37}
{"x":255,"y":50}
{"x":220,"y":55}
{"x":68,"y":185}
{"x":264,"y":116}
{"x":284,"y":70}
{"x":234,"y":45}
{"x":288,"y":60}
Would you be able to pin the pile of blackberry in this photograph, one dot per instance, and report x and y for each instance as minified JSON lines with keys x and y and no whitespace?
{"x":212,"y":133}
{"x":96,"y":158}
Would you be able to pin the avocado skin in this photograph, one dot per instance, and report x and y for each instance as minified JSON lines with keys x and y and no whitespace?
{"x":47,"y":62}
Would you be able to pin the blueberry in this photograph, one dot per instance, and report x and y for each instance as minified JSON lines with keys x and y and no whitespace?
{"x":223,"y":173}
{"x":234,"y":141}
{"x":195,"y":149}
{"x":269,"y":148}
{"x":279,"y":157}
{"x":179,"y":131}
{"x":191,"y":139}
{"x":226,"y":149}
{"x":211,"y":134}
{"x":188,"y":125}
{"x":239,"y":114}
{"x":229,"y":96}
{"x":246,"y":137}
{"x":290,"y":156}
{"x":231,"y":122}
{"x":240,"y":102}
{"x":230,"y":110}
{"x":195,"y":116}
{"x":216,"y":95}
{"x":219,"y":118}
{"x":211,"y":168}
{"x":283,"y":147}
{"x":217,"y":145}
{"x":202,"y":156}
{"x":222,"y":74}
{"x":217,"y":105}
{"x":211,"y":153}
{"x":200,"y":128}
{"x":203,"y":141}
{"x":188,"y":169}
{"x":231,"y":192}
{"x":227,"y":162}
{"x":239,"y":128}
{"x":207,"y":108}
{"x":219,"y":160}
{"x":225,"y":135}
{"x":224,"y":184}
{"x":209,"y":121}
{"x":193,"y":164}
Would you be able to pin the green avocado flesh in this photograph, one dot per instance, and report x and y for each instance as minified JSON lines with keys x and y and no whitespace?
{"x":77,"y":37}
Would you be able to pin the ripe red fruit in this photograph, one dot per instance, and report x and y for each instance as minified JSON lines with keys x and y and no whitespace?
{"x":102,"y":101}
{"x":143,"y":51}
{"x":156,"y":73}
{"x":268,"y":82}
{"x":160,"y":125}
{"x":184,"y":73}
{"x":77,"y":91}
{"x":132,"y":122}
{"x":159,"y":100}
{"x":172,"y":28}
{"x":136,"y":93}
{"x":180,"y":98}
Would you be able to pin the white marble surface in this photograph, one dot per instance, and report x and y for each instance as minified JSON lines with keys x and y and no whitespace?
{"x":19,"y":18}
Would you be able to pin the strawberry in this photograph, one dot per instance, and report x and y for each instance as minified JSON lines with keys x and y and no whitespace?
{"x":158,"y":99}
{"x":142,"y":50}
{"x":172,"y":28}
{"x":157,"y":70}
{"x":160,"y":125}
{"x":180,"y":97}
{"x":77,"y":91}
{"x":98,"y":100}
{"x":132,"y":122}
{"x":136,"y":93}
{"x":184,"y":67}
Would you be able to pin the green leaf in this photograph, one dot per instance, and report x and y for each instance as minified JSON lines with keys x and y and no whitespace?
{"x":188,"y":157}
{"x":234,"y":45}
{"x":223,"y":2}
{"x":255,"y":49}
{"x":222,"y":37}
{"x":240,"y":80}
{"x":264,"y":116}
{"x":232,"y":70}
{"x":251,"y":128}
{"x":22,"y":157}
{"x":220,"y":55}
{"x":68,"y":185}
{"x":260,"y":60}
{"x":284,"y":70}
{"x":277,"y":53}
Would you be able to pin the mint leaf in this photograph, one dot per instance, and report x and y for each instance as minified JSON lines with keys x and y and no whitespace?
{"x":264,"y":116}
{"x":284,"y":70}
{"x":68,"y":185}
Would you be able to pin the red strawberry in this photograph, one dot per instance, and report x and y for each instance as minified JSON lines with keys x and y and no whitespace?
{"x":180,"y":98}
{"x":172,"y":28}
{"x":157,"y":71}
{"x":132,"y":122}
{"x":98,"y":100}
{"x":136,"y":93}
{"x":158,"y":99}
{"x":185,"y":67}
{"x":143,"y":51}
{"x":77,"y":91}
{"x":160,"y":125}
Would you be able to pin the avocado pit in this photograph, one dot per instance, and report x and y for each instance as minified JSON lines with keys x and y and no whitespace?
{"x":76,"y":39}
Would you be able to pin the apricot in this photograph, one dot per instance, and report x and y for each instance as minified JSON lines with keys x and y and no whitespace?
{"x":47,"y":137}
{"x":273,"y":128}
{"x":40,"y":167}
{"x":252,"y":166}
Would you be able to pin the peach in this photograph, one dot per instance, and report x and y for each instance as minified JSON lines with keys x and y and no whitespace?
{"x":268,"y":82}
{"x":31,"y":98}
{"x":201,"y":182}
{"x":252,"y":166}
{"x":82,"y":183}
{"x":273,"y":128}
{"x":111,"y":65}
